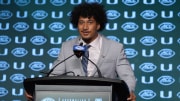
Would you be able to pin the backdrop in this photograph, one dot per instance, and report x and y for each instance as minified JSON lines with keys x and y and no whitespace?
{"x":31,"y":33}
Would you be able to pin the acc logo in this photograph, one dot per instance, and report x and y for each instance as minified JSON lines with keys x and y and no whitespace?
{"x":178,"y":95}
{"x":94,"y":1}
{"x":79,"y":48}
{"x":4,"y":65}
{"x":131,"y":52}
{"x":71,"y":37}
{"x":4,"y":39}
{"x":130,"y":2}
{"x":53,"y":52}
{"x":98,"y":99}
{"x":3,"y":91}
{"x":149,"y":14}
{"x":48,"y":99}
{"x":112,"y":14}
{"x":38,"y":40}
{"x":178,"y":67}
{"x":17,"y":78}
{"x":148,"y":40}
{"x":19,"y":52}
{"x":179,"y":14}
{"x":166,"y":27}
{"x":148,"y":67}
{"x":129,"y":26}
{"x":21,"y":26}
{"x":37,"y":66}
{"x":39,"y":14}
{"x":147,"y":94}
{"x":69,"y":13}
{"x":166,"y":80}
{"x":178,"y":40}
{"x":114,"y":38}
{"x":167,"y":2}
{"x":58,"y":2}
{"x":166,"y":53}
{"x":57,"y":26}
{"x":5,"y":14}
{"x":22,"y":2}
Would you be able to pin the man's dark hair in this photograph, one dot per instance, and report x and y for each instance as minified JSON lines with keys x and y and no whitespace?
{"x":89,"y":10}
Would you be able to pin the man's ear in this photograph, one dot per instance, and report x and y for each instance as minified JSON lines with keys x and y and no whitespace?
{"x":98,"y":26}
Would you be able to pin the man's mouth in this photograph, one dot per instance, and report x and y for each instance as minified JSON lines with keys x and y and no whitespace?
{"x":85,"y":32}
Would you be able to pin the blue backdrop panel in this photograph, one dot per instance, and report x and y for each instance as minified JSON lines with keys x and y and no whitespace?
{"x":31,"y":33}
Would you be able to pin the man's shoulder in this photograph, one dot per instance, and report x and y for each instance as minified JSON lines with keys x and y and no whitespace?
{"x":72,"y":41}
{"x":112,"y":42}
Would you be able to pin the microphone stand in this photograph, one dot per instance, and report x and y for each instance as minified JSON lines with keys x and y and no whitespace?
{"x":58,"y":64}
{"x":78,"y":54}
{"x":99,"y":72}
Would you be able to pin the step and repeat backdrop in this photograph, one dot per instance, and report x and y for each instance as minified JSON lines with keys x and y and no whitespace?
{"x":32,"y":31}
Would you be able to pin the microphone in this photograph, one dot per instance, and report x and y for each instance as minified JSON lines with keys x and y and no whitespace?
{"x":78,"y":51}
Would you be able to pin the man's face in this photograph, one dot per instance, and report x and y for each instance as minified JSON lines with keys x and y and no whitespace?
{"x":88,"y":28}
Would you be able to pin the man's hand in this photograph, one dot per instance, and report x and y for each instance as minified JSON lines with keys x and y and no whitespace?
{"x":132,"y":97}
{"x":28,"y":96}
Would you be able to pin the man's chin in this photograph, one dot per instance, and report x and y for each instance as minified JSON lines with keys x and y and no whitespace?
{"x":87,"y":40}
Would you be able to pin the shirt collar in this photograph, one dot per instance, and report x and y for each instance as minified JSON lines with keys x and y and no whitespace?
{"x":95,"y":43}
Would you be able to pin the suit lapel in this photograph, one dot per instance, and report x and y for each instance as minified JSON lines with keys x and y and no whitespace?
{"x":104,"y":51}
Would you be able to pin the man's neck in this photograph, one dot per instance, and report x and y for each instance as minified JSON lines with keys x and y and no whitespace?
{"x":90,"y":41}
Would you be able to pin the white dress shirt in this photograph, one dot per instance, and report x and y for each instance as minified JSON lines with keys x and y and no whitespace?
{"x":94,"y":53}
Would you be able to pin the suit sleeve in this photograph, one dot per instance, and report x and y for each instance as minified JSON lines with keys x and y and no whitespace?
{"x":124,"y":69}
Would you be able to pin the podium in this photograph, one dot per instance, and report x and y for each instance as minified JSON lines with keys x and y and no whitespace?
{"x":76,"y":88}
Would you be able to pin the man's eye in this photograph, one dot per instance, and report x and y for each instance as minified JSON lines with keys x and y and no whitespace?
{"x":80,"y":22}
{"x":90,"y":22}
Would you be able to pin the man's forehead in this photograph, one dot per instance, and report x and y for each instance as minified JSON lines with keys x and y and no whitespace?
{"x":88,"y":17}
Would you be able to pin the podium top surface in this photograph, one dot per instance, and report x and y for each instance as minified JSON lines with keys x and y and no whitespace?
{"x":72,"y":79}
{"x":118,"y":85}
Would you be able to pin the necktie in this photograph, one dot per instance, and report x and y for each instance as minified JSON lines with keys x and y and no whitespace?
{"x":84,"y":60}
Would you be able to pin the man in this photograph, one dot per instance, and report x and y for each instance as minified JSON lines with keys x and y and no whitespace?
{"x":108,"y":55}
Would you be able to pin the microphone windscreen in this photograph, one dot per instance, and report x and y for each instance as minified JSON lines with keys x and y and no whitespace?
{"x":81,"y":44}
{"x":79,"y":50}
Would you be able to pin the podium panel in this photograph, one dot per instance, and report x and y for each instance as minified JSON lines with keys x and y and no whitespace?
{"x":72,"y":93}
{"x":72,"y":88}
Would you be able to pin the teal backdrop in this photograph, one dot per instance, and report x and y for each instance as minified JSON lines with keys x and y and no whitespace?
{"x":32,"y":31}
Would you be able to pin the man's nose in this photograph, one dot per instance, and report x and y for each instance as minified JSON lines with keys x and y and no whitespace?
{"x":85,"y":26}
